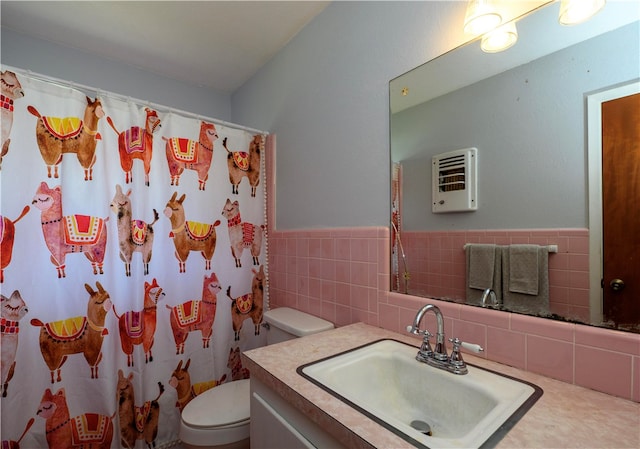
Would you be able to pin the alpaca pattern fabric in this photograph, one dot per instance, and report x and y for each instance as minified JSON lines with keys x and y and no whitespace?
{"x":9,"y":327}
{"x":6,"y":103}
{"x":103,"y":191}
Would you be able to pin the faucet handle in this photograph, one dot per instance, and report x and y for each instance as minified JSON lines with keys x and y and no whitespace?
{"x":426,"y":335}
{"x":416,"y":331}
{"x":425,"y":348}
{"x":456,"y":356}
{"x":425,"y":351}
{"x":457,"y":343}
{"x":413,"y":330}
{"x":472,"y":347}
{"x":457,"y":363}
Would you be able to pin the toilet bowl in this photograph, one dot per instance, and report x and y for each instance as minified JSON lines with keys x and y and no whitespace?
{"x":219,"y":417}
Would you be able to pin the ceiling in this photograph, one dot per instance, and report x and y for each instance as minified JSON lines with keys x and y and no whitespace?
{"x":214,"y":44}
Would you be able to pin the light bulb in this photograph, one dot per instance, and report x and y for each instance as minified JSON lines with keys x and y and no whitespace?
{"x":481,"y":16}
{"x":573,"y":12}
{"x":500,"y":39}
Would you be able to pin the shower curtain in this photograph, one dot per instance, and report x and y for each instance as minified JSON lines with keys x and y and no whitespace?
{"x":396,"y":225}
{"x":133,"y":263}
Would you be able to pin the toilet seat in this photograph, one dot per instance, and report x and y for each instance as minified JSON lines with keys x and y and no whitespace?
{"x":217,"y":416}
{"x":220,"y":406}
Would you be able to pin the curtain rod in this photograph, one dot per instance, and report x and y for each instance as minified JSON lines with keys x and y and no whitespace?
{"x":126,"y":98}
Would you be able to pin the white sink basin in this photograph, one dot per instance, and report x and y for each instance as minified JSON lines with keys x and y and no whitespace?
{"x":384,"y":381}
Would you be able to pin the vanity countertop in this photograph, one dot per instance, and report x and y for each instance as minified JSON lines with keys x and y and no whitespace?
{"x":565,"y":416}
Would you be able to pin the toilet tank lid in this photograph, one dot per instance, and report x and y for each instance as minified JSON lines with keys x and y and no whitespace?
{"x":296,"y":322}
{"x":222,"y":405}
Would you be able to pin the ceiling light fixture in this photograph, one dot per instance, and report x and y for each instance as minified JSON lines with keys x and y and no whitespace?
{"x":500,"y":39}
{"x":573,"y":12}
{"x":481,"y":16}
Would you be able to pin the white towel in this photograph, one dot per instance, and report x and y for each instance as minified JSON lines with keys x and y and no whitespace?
{"x":523,"y":269}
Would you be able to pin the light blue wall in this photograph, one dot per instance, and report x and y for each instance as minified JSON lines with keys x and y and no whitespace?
{"x":529,"y":126}
{"x":70,"y":64}
{"x":326,"y":97}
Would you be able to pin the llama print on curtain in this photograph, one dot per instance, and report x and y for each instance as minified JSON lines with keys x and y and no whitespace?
{"x":131,"y":282}
{"x":11,"y":90}
{"x":396,"y":226}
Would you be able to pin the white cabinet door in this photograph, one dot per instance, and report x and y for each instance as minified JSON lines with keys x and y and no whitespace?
{"x":276,"y":424}
{"x":269,"y":430}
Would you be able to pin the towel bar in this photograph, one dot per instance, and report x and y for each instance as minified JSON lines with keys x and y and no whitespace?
{"x":550,"y":248}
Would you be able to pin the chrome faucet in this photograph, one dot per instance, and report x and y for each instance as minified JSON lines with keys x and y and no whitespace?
{"x":438,"y":356}
{"x":440,"y":352}
{"x":489,"y":298}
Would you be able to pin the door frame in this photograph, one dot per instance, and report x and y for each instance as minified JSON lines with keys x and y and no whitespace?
{"x":594,"y":150}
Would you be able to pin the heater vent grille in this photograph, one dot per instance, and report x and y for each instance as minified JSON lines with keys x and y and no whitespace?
{"x":451,"y":173}
{"x":454,"y":181}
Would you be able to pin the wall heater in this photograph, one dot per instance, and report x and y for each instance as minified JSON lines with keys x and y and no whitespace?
{"x":454,"y":177}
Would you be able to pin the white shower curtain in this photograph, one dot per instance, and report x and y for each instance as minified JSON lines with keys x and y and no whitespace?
{"x":120,"y":270}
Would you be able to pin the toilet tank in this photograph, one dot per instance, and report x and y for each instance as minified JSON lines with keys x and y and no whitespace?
{"x":286,"y":323}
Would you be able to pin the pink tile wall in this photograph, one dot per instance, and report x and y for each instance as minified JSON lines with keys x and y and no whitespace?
{"x":342,"y":275}
{"x":437,"y":263}
{"x":330,"y":273}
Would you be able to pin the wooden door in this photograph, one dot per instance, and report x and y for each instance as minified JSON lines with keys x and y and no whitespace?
{"x":621,"y":210}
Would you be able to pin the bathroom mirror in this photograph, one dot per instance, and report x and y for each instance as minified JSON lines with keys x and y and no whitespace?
{"x":525,"y":110}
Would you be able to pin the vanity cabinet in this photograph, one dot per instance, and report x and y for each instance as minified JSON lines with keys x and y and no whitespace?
{"x":277,"y":424}
{"x":565,"y":411}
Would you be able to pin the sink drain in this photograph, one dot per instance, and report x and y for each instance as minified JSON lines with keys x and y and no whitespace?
{"x":421,"y":426}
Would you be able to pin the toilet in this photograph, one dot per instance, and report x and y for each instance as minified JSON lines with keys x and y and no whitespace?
{"x":219,"y":417}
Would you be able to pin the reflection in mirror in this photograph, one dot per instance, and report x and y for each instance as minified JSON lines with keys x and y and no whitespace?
{"x":525,"y":110}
